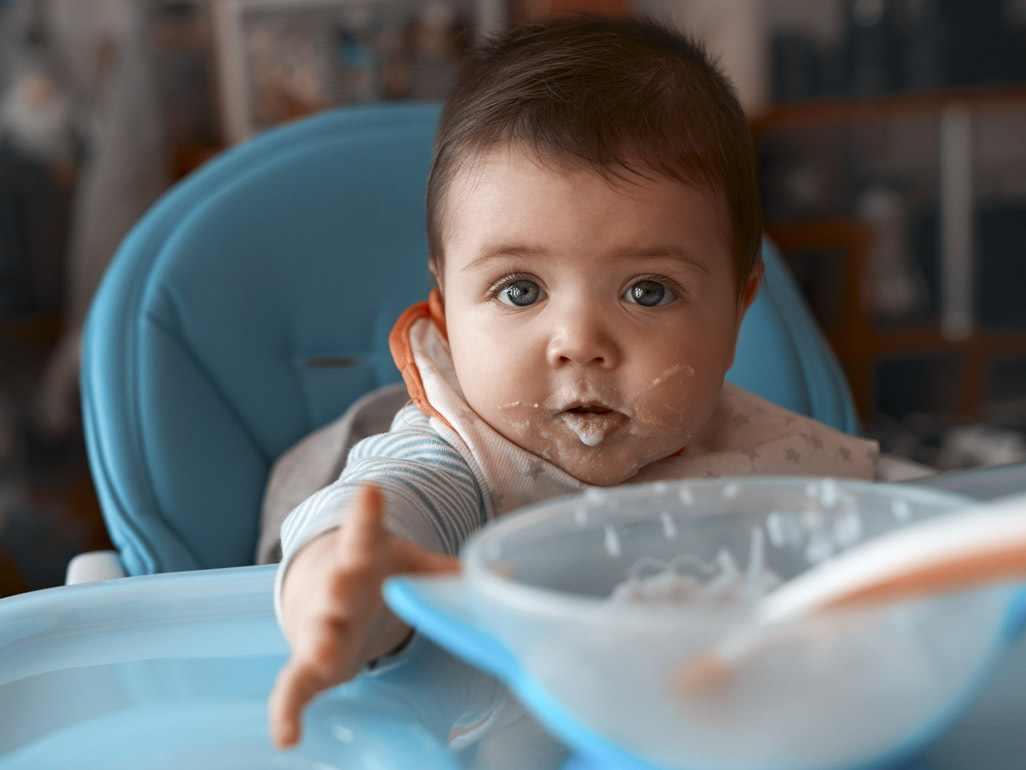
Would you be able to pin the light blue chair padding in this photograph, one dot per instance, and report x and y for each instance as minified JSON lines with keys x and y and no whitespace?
{"x":252,"y":305}
{"x":215,"y":339}
{"x":783,"y":356}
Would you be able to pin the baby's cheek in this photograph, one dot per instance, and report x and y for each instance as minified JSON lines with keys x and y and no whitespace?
{"x":513,"y":419}
{"x":667,"y":407}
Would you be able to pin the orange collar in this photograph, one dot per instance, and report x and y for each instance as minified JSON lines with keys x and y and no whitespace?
{"x":402,"y":352}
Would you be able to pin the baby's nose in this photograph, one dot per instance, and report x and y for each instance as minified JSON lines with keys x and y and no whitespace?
{"x":582,"y":338}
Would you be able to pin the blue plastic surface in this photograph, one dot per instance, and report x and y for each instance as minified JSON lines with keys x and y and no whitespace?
{"x":173,"y":671}
{"x":245,"y":310}
{"x":782,"y":356}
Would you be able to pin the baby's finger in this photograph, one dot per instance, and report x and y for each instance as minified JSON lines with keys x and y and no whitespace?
{"x":363,"y":532}
{"x":294,"y":688}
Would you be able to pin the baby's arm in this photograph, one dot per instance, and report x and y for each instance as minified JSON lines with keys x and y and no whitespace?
{"x":332,"y":610}
{"x":432,"y":499}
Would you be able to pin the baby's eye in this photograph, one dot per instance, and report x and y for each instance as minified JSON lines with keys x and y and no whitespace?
{"x":519,"y":293}
{"x":649,"y":294}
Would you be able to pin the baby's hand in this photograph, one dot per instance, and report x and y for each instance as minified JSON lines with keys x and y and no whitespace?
{"x":333,"y":612}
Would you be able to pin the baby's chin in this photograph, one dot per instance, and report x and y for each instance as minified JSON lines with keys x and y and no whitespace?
{"x":600,"y":468}
{"x":602,"y":479}
{"x":607,"y":462}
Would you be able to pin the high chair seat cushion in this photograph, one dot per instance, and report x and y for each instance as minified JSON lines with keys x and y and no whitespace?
{"x":783,"y":356}
{"x":252,"y":305}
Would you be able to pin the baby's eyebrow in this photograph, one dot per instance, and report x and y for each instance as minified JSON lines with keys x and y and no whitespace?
{"x":672,"y":253}
{"x":649,"y":253}
{"x":504,"y":251}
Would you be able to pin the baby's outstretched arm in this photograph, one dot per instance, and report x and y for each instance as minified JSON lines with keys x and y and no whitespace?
{"x":333,"y":613}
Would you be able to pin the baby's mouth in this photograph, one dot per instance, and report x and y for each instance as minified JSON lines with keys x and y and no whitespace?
{"x":590,"y":422}
{"x":589,"y":409}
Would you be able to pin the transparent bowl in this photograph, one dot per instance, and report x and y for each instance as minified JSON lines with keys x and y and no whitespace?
{"x":686,"y":562}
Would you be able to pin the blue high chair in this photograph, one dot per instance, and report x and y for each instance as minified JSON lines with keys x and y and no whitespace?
{"x":250,"y":306}
{"x":253,"y":304}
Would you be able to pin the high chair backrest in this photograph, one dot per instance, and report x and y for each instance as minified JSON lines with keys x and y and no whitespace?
{"x":252,"y":304}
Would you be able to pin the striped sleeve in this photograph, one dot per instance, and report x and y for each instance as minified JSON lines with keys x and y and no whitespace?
{"x":431,"y":495}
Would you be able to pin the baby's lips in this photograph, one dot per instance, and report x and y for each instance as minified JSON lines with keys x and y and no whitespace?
{"x":589,"y":409}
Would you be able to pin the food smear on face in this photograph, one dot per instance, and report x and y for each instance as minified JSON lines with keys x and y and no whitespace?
{"x":665,"y":376}
{"x":590,"y":427}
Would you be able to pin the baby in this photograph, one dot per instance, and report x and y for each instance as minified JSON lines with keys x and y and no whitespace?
{"x":594,"y":228}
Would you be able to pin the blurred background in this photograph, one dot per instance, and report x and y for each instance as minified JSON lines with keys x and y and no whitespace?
{"x":892,"y":145}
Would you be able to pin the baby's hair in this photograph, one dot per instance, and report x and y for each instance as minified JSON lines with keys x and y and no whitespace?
{"x":612,"y":93}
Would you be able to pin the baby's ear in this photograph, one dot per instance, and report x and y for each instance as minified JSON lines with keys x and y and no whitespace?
{"x":745,"y":300}
{"x":750,"y":291}
{"x":436,"y":273}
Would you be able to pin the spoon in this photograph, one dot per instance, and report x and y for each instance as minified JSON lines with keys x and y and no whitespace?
{"x":981,"y":544}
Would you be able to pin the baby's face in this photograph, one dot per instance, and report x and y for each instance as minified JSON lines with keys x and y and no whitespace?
{"x":590,"y":323}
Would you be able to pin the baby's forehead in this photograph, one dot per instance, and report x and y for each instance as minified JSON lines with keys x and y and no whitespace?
{"x":511,"y":200}
{"x":626,"y":175}
{"x":560,"y":163}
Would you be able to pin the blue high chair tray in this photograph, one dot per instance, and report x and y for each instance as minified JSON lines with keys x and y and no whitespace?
{"x":173,"y":671}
